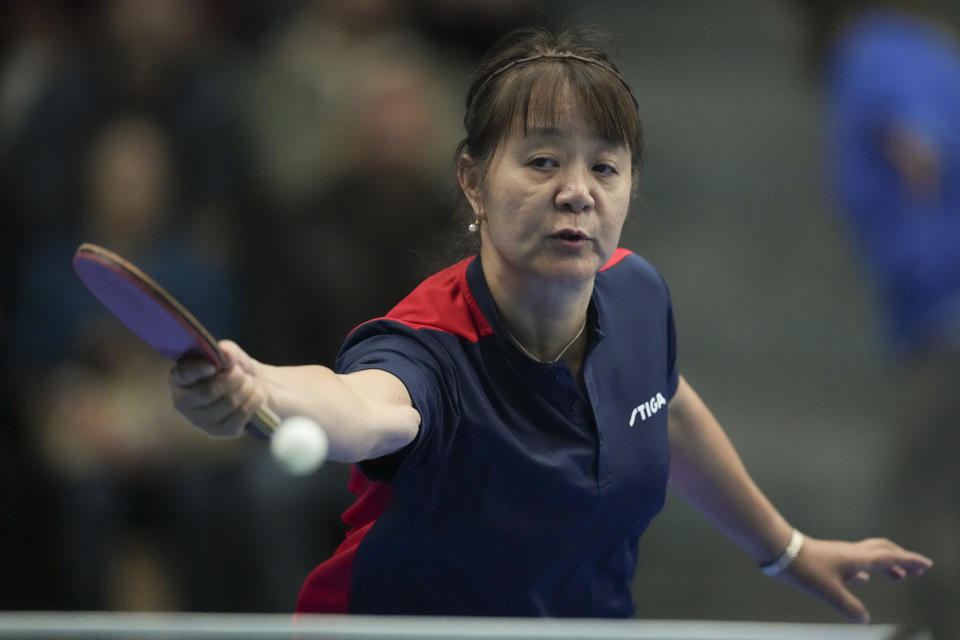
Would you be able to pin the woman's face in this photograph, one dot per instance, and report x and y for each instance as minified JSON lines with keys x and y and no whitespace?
{"x":554,"y":201}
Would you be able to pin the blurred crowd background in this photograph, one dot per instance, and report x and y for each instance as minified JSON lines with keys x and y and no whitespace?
{"x":285,"y":168}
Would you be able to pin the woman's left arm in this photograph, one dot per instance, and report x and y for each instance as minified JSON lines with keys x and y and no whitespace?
{"x":706,"y":470}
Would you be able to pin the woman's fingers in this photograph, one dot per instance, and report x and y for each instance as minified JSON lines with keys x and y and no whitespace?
{"x":827,"y":568}
{"x":886,"y":555}
{"x":190,"y":371}
{"x":896,"y":572}
{"x":234,"y":355}
{"x":849,"y":605}
{"x":861,"y":577}
{"x":219,"y":403}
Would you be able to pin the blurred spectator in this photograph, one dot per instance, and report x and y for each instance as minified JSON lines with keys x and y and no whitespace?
{"x":32,"y":44}
{"x":345,"y":105}
{"x":124,"y":466}
{"x":351,"y":248}
{"x":121,"y":131}
{"x":160,"y":58}
{"x":304,"y":89}
{"x":892,"y":93}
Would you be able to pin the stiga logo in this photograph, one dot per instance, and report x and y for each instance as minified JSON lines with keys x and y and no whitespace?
{"x":648,"y":408}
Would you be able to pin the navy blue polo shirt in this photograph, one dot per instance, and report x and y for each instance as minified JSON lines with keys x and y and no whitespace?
{"x":521,"y":495}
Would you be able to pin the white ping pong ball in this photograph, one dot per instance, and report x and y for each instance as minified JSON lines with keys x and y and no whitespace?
{"x":299,"y":445}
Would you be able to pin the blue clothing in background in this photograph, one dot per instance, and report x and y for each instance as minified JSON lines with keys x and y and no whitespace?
{"x":889,"y":71}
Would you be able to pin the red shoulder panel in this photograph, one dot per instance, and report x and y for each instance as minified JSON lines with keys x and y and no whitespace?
{"x":444,"y":302}
{"x":617,"y":256}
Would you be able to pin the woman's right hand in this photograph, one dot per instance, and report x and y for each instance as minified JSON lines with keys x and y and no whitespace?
{"x":220,"y":403}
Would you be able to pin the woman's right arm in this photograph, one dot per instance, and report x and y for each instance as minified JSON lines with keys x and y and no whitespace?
{"x":366,"y":414}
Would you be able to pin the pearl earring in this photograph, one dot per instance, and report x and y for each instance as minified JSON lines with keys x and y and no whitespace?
{"x":474,"y":226}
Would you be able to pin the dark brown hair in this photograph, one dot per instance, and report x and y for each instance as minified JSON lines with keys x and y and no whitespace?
{"x":531,"y":63}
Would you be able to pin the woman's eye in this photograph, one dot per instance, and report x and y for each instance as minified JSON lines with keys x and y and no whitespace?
{"x":604,"y":169}
{"x":543,"y":163}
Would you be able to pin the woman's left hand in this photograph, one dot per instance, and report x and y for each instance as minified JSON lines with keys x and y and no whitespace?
{"x":826,"y":568}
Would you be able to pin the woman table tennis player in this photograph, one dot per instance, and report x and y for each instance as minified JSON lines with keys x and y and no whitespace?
{"x":517,"y":418}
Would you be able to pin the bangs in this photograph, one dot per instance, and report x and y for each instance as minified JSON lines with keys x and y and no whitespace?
{"x":538,"y":95}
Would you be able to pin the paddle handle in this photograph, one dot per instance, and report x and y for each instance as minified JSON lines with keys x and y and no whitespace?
{"x":263,"y":423}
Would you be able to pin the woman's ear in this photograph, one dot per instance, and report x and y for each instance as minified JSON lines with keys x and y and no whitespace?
{"x":468,"y":174}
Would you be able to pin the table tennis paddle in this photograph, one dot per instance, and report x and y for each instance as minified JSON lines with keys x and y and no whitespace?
{"x":147,"y":309}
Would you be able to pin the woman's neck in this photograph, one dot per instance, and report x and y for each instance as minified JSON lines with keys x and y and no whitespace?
{"x":544,"y":317}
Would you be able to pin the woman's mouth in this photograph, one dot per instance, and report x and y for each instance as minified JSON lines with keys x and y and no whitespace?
{"x":571,"y":237}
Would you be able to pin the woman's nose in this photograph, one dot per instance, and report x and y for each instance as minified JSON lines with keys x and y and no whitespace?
{"x":575,"y":194}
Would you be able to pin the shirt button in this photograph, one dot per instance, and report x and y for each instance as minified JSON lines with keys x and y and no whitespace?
{"x":575,"y":405}
{"x":559,"y":376}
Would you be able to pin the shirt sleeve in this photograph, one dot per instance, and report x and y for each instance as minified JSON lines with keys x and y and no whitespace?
{"x":414,"y":358}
